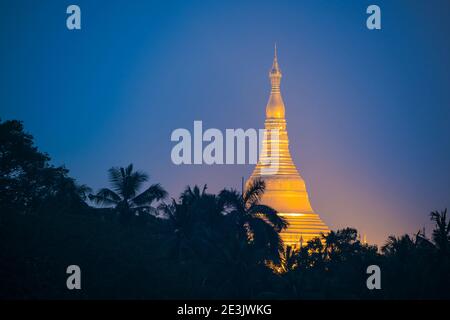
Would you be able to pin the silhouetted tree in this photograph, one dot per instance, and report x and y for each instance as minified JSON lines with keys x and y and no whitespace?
{"x":441,"y":233}
{"x":195,"y":220}
{"x":28,"y":182}
{"x":124,"y":198}
{"x":258,"y":223}
{"x":332,"y":266}
{"x":224,"y":245}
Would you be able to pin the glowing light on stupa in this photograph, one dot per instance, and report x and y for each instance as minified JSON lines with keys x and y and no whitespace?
{"x":285,"y":188}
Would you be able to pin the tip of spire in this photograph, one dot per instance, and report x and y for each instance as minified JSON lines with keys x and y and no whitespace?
{"x":275,"y":67}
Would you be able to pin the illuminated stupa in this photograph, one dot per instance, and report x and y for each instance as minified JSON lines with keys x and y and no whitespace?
{"x":285,"y":188}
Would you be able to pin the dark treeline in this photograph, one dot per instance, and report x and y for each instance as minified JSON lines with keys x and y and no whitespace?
{"x":132,"y":241}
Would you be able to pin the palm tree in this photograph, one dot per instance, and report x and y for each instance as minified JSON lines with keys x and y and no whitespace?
{"x":441,"y":233}
{"x":190,"y":195}
{"x":289,"y":260}
{"x":124,"y":195}
{"x":402,"y":246}
{"x":83,"y":191}
{"x":196,"y":220}
{"x":258,"y":224}
{"x":331,"y":244}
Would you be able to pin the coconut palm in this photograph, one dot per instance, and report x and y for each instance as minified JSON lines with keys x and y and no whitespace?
{"x":259,"y":224}
{"x":399,"y":246}
{"x":331,"y":243}
{"x":196,"y":220}
{"x":190,"y":195}
{"x":441,"y":233}
{"x":289,"y":260}
{"x":124,"y":195}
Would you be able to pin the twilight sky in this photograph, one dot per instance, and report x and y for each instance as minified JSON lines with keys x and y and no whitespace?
{"x":368,"y":111}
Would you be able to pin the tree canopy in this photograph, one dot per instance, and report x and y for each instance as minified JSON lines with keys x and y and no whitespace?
{"x":139,"y":244}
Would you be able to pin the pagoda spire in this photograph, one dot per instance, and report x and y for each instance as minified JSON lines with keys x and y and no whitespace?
{"x":275,"y":60}
{"x":275,"y":72}
{"x":285,"y":188}
{"x":275,"y":105}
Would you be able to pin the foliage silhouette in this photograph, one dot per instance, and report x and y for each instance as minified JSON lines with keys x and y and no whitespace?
{"x":126,"y":183}
{"x":201,"y":245}
{"x":28,"y":182}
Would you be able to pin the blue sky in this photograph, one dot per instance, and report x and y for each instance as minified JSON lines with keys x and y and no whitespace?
{"x":368,"y":111}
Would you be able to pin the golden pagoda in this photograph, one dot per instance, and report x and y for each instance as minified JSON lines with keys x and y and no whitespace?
{"x":285,"y":188}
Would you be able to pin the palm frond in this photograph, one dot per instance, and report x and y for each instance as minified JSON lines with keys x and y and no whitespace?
{"x":264,"y":236}
{"x":83,"y":190}
{"x":278,"y":222}
{"x":253,"y":192}
{"x":152,"y":193}
{"x":116,"y":178}
{"x":230,"y":199}
{"x":129,"y":169}
{"x":191,"y":194}
{"x":105,"y":196}
{"x":167,"y":210}
{"x":125,"y":181}
{"x":139,"y":176}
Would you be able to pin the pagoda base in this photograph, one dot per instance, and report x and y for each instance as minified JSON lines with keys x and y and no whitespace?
{"x":302,"y":228}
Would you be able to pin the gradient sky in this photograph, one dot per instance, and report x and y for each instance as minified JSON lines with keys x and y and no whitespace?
{"x":368,"y":111}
